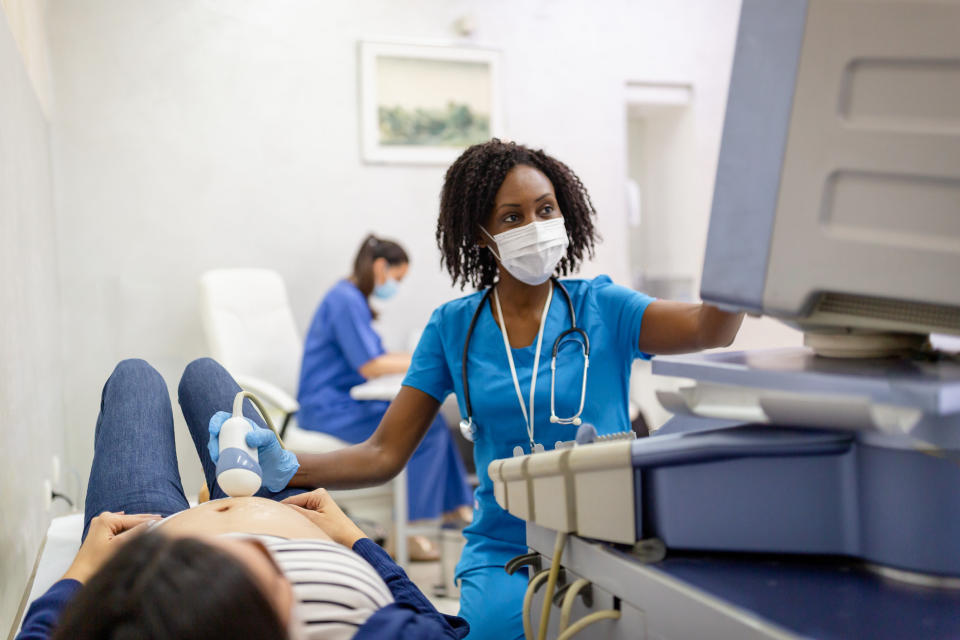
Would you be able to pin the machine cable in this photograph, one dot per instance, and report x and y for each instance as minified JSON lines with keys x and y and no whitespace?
{"x":569,"y":598}
{"x":528,"y":602}
{"x":551,"y":584}
{"x":586,"y":621}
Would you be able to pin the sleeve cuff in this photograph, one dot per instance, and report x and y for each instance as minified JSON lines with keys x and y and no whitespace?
{"x":41,"y":618}
{"x":62,"y":591}
{"x":375,"y":555}
{"x":439,"y":396}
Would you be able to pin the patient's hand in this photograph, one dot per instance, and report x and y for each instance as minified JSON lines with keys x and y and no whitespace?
{"x":321,"y":510}
{"x":107,"y":532}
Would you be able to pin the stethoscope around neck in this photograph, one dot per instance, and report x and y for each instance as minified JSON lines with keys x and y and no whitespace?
{"x":467,"y":427}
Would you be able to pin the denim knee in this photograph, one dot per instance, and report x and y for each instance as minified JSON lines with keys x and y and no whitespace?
{"x":138,"y":370}
{"x":199,"y":369}
{"x":133,"y":365}
{"x":133,"y":381}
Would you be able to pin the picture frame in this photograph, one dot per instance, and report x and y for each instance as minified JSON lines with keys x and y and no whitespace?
{"x":425,"y":103}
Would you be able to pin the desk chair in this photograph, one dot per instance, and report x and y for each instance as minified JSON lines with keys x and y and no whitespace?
{"x":250,"y":330}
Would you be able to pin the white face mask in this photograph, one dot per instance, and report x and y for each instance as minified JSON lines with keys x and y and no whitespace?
{"x":531,"y":252}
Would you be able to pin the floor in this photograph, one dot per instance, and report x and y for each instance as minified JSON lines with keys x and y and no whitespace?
{"x":428,"y":576}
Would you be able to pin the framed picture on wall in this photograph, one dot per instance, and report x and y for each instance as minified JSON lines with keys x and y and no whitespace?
{"x":424,"y":103}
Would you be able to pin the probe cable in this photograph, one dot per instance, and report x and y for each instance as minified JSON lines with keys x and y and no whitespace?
{"x":238,"y":411}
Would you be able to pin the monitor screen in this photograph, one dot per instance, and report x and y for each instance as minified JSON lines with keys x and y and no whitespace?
{"x":837,"y":198}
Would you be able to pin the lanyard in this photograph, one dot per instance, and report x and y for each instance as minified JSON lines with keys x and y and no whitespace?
{"x":528,"y":418}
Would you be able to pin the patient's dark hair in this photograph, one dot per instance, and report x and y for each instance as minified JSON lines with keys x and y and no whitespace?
{"x":158,"y":587}
{"x":466,"y":201}
{"x":371,"y":249}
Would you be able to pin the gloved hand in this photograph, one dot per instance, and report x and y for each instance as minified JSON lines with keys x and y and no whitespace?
{"x":277,"y":463}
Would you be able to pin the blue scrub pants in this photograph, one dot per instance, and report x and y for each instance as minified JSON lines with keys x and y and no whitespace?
{"x":134,"y":455}
{"x":491,"y":600}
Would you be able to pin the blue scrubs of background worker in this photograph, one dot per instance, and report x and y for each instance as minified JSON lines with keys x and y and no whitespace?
{"x":340,"y":341}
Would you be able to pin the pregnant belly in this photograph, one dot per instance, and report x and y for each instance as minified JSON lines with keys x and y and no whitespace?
{"x":242,"y":515}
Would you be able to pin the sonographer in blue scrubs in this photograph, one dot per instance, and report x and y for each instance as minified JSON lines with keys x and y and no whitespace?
{"x":511,"y":219}
{"x":343,"y":350}
{"x":612,"y":316}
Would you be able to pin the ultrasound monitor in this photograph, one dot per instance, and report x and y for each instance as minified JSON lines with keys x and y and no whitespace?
{"x":837,"y":200}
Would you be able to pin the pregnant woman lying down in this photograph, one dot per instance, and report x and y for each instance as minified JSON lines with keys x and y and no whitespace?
{"x":282,"y":564}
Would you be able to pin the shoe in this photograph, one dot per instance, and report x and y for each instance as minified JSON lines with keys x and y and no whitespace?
{"x":422,"y":549}
{"x":419,"y":548}
{"x":458,"y":518}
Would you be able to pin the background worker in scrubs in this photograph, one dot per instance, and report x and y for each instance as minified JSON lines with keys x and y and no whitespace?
{"x":342,"y":350}
{"x":491,"y":196}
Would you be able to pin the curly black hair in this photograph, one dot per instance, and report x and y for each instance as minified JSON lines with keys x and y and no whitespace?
{"x":467,"y":198}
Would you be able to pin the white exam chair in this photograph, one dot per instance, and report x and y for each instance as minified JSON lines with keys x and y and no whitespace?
{"x":250,"y":330}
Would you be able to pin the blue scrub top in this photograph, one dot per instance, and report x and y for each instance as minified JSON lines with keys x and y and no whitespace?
{"x":610,"y":314}
{"x":340,"y":340}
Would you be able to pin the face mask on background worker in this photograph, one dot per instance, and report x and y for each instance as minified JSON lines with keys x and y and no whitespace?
{"x":386,"y":290}
{"x":531,"y":252}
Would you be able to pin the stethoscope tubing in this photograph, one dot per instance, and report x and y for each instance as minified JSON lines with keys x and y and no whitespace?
{"x":466,"y":425}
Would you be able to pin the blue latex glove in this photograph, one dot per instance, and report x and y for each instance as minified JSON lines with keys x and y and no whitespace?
{"x":277,"y":463}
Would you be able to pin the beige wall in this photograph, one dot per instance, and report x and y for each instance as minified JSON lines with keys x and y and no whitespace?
{"x":31,"y":413}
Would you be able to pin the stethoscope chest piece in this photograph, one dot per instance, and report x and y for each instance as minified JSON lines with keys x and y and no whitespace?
{"x":468,"y":430}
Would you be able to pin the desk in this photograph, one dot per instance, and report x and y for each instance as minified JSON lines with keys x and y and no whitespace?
{"x":381,"y":388}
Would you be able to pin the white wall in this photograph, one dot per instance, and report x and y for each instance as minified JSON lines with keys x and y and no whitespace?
{"x":195,"y":135}
{"x":214,"y":134}
{"x":31,"y":412}
{"x":687,"y":42}
{"x":673,"y":153}
{"x":661,"y":158}
{"x":26,"y":20}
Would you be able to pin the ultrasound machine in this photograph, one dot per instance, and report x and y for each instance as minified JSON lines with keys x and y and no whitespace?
{"x":809,"y":492}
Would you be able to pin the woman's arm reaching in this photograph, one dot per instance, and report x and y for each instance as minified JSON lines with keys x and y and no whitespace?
{"x":385,"y":365}
{"x":381,"y":456}
{"x":679,"y":327}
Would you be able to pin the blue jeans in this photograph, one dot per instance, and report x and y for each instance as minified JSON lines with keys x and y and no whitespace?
{"x":134,"y":456}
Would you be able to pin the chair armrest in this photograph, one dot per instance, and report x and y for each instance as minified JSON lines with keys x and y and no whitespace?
{"x":269,"y":393}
